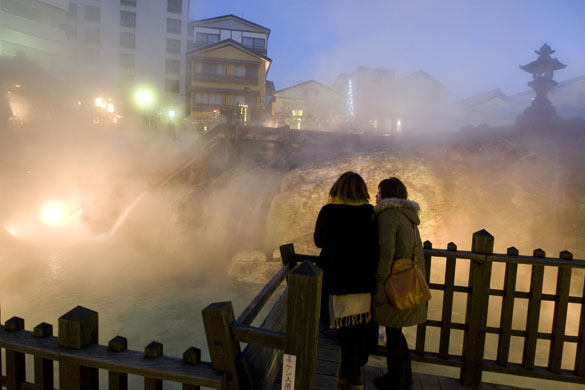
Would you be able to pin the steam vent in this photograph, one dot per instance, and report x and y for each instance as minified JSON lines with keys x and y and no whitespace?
{"x":541,"y":112}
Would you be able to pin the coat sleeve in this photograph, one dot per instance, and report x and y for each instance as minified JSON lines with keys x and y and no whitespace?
{"x":319,"y":234}
{"x":387,"y":228}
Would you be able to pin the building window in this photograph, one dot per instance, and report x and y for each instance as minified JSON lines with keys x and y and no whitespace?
{"x":72,"y":11}
{"x":92,"y":35}
{"x":175,"y":6}
{"x":207,"y":98}
{"x":251,"y":72}
{"x":206,"y":39}
{"x":70,"y":32}
{"x":128,"y":3}
{"x":127,"y":19}
{"x":255,"y":43}
{"x":210,"y":68}
{"x":174,"y":26}
{"x":126,"y":61}
{"x":92,"y":14}
{"x":172,"y":66}
{"x":91,"y":56}
{"x":241,"y":70}
{"x":174,"y":46}
{"x":172,"y":86}
{"x":128,"y":40}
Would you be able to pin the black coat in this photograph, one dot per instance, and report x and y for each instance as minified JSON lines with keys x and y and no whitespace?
{"x":349,"y":256}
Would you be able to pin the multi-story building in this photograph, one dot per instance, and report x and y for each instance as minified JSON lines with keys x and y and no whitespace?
{"x":228,"y":65}
{"x":33,"y":28}
{"x":118,"y":46}
{"x":309,"y":106}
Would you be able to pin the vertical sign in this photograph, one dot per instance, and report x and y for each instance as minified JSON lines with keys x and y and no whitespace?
{"x":289,"y":365}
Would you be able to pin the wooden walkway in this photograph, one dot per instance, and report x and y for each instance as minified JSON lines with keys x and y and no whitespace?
{"x":429,"y":382}
{"x":328,"y":362}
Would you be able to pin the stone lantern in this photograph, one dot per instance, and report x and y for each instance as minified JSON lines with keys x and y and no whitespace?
{"x":541,"y":111}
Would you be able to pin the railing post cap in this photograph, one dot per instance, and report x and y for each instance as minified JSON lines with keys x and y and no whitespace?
{"x":14,"y":324}
{"x":43,"y":330}
{"x":427,"y":244}
{"x":451,"y":246}
{"x":539,"y":253}
{"x":153,"y":350}
{"x":192,"y":356}
{"x":483,"y":233}
{"x":306,"y":268}
{"x":512,"y":251}
{"x":118,"y":344}
{"x":78,"y":328}
{"x":566,"y":255}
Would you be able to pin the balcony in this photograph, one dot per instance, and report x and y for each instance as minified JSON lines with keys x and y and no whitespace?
{"x":222,"y":78}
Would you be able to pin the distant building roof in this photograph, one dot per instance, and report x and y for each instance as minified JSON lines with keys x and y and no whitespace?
{"x":228,"y":42}
{"x":231,"y":16}
{"x":484,"y":97}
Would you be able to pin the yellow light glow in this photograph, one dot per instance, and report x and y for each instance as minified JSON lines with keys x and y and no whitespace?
{"x":145,"y":98}
{"x":53,"y":214}
{"x":99,"y":101}
{"x":11,"y":230}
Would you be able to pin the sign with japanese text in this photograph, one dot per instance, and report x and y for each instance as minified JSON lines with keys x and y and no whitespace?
{"x":289,"y":365}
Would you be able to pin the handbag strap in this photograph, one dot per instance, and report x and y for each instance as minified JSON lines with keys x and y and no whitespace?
{"x":415,"y":249}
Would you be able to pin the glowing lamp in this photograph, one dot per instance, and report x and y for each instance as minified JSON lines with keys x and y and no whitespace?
{"x":53,"y":214}
{"x":144,"y":98}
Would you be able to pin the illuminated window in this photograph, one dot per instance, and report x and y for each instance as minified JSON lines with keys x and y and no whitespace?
{"x":207,"y":98}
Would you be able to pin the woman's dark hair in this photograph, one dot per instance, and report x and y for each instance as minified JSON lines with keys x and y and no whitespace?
{"x":350,"y":187}
{"x":392,"y":188}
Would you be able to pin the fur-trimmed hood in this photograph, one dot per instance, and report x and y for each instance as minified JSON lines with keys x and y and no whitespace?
{"x":409,"y":208}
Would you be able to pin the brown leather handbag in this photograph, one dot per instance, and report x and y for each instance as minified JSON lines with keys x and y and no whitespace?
{"x":406,"y":287}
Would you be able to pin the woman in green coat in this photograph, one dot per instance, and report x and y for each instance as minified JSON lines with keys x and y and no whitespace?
{"x":397,"y":219}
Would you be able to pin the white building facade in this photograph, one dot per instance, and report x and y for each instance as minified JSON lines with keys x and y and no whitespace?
{"x":117,"y":46}
{"x":32,"y":28}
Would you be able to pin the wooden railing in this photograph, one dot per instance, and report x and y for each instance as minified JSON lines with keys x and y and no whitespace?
{"x":79,"y":355}
{"x":472,"y":361}
{"x":291,"y":327}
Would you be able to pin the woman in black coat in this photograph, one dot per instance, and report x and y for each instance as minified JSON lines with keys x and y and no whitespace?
{"x":347,"y":234}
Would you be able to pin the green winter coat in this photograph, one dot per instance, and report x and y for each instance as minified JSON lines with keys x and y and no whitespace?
{"x":396,"y":218}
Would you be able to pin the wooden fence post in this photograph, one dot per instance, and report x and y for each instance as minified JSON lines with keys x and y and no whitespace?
{"x":302,"y":325}
{"x":152,"y":351}
{"x":43,"y":367}
{"x":15,"y":366}
{"x":560,"y":314}
{"x":223,"y":350}
{"x":477,"y":308}
{"x":78,"y":328}
{"x":288,"y":256}
{"x":192,"y":356}
{"x":117,"y":380}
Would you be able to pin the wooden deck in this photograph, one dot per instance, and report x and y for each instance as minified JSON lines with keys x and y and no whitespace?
{"x":429,"y":382}
{"x":329,"y":357}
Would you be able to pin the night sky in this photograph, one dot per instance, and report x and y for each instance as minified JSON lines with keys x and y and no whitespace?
{"x":470,"y":46}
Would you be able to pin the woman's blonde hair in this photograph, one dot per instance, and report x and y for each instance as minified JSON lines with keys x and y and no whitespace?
{"x":350,"y":187}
